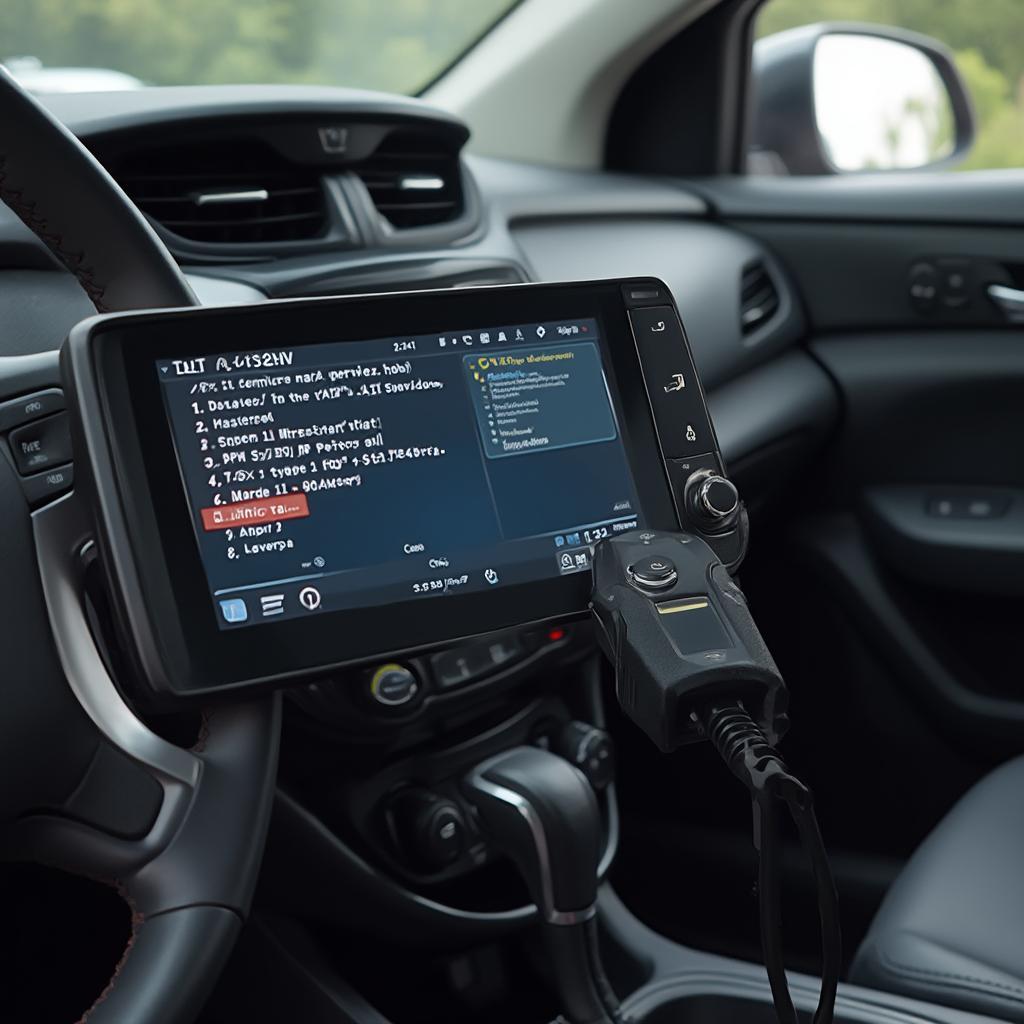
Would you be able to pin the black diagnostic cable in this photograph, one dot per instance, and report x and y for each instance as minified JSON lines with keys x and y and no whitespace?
{"x":690,"y":664}
{"x":742,"y":745}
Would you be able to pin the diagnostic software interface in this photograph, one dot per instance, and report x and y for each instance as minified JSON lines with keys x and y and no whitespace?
{"x":347,"y":474}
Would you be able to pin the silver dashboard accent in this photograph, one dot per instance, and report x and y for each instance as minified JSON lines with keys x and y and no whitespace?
{"x":421,"y":183}
{"x":1009,"y":300}
{"x":217,"y":291}
{"x":571,"y":917}
{"x":62,"y":529}
{"x":252,"y":195}
{"x":551,"y":914}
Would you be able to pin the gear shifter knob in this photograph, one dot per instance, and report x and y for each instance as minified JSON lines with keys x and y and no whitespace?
{"x":542,"y":812}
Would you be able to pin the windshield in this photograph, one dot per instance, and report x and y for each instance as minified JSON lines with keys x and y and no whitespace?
{"x":392,"y":45}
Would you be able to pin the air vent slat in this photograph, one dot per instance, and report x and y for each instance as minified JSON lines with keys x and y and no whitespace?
{"x":385,"y":207}
{"x":177,"y":225}
{"x":759,"y":297}
{"x":405,"y":153}
{"x":413,"y":182}
{"x":177,"y":187}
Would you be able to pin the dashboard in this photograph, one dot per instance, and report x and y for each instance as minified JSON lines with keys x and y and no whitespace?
{"x":401,"y":206}
{"x":400,"y":677}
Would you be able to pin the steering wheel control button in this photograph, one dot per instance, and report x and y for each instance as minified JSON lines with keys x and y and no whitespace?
{"x":30,"y":407}
{"x":42,"y":487}
{"x":393,"y":685}
{"x":42,"y":444}
{"x":654,"y":573}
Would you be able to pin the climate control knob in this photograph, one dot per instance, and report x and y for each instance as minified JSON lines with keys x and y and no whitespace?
{"x":711,"y":499}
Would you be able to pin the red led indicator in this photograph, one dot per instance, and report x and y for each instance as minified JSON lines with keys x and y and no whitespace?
{"x":556,"y":634}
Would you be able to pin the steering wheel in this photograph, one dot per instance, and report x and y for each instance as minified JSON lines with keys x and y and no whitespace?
{"x":88,"y":786}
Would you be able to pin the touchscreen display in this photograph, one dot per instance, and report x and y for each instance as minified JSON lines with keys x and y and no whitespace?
{"x":347,"y":474}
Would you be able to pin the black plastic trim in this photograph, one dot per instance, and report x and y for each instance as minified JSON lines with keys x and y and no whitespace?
{"x":966,"y":198}
{"x":836,"y":548}
{"x":984,"y":555}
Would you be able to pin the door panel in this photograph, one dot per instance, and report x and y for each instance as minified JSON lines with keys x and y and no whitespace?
{"x":911,"y":526}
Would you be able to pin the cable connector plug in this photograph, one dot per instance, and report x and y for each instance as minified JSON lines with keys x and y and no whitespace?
{"x":743,"y":746}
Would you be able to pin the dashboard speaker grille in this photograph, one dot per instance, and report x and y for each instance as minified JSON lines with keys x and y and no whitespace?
{"x":759,"y":298}
{"x":226,"y":193}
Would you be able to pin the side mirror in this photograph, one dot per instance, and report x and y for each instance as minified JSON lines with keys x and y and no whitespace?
{"x":835,"y":98}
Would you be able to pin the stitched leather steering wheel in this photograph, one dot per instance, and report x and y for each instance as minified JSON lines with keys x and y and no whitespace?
{"x":77,"y":762}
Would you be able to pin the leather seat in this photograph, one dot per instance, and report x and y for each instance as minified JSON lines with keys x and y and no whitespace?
{"x":951,"y":928}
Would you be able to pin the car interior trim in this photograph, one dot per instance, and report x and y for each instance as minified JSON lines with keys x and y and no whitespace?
{"x":60,"y":529}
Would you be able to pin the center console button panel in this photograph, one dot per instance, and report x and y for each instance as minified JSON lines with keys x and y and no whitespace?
{"x":679,"y":411}
{"x":706,"y":500}
{"x":466,"y":664}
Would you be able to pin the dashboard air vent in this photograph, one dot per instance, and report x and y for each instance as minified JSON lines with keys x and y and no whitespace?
{"x":233,"y":193}
{"x":759,"y":298}
{"x":413,"y":182}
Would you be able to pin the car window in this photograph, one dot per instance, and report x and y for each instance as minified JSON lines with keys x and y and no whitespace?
{"x":987,"y":41}
{"x":392,"y":45}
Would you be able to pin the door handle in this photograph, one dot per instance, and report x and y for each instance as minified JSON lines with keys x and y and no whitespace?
{"x":1009,"y":300}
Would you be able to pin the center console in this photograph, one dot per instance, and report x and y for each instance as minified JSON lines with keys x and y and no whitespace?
{"x":388,"y":507}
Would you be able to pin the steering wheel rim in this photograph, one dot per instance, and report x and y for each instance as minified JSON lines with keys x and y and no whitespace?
{"x":189,"y":878}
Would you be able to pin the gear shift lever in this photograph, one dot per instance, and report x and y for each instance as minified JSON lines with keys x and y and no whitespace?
{"x":541,"y":811}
